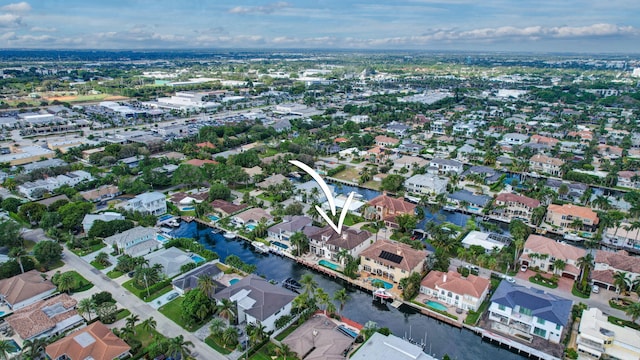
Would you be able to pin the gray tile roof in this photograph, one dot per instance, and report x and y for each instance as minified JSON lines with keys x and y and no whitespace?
{"x":542,"y":305}
{"x":190,"y":279}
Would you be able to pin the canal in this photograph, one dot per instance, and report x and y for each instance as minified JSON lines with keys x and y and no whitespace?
{"x":440,"y":338}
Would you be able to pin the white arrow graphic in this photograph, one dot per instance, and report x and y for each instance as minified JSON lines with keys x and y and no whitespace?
{"x":328,"y":195}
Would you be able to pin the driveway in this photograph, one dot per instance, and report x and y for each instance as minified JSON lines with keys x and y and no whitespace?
{"x":157,"y":303}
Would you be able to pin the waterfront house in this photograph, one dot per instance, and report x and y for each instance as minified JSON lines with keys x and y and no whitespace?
{"x":272,"y":180}
{"x":489,"y":241}
{"x":289,"y":226}
{"x":135,"y":242}
{"x":542,"y":252}
{"x":44,"y":318}
{"x":189,"y":280}
{"x":309,"y":191}
{"x":545,"y":164}
{"x":469,"y":201}
{"x":171,"y":260}
{"x":182,"y":198}
{"x":600,"y":339}
{"x":104,"y":192}
{"x":514,"y":139}
{"x":490,"y":175}
{"x":423,"y":184}
{"x":568,"y":217}
{"x":386,"y":208}
{"x":398,"y":129}
{"x":382,"y":140}
{"x":386,"y":347}
{"x":410,"y":162}
{"x":95,"y":342}
{"x":608,"y":263}
{"x":225,"y":208}
{"x":511,"y":206}
{"x":327,"y":243}
{"x":629,"y":179}
{"x":25,"y":289}
{"x":392,"y":260}
{"x":258,"y":301}
{"x":89,"y":219}
{"x":252,"y":216}
{"x":151,"y":203}
{"x":410,"y":147}
{"x":622,"y":235}
{"x":466,"y":293}
{"x":574,"y":191}
{"x":524,"y":312}
{"x":444,"y":166}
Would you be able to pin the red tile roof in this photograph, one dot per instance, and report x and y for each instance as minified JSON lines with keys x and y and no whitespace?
{"x":95,"y":341}
{"x":452,"y":281}
{"x":394,"y":205}
{"x":410,"y":256}
{"x":527,"y":201}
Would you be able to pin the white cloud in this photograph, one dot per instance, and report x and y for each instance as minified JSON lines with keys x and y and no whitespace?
{"x":17,"y":7}
{"x":43,"y":29}
{"x":10,"y":20}
{"x":265,"y":9}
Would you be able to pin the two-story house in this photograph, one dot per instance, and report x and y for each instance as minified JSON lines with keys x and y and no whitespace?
{"x":542,"y":252}
{"x":392,"y":260}
{"x":545,"y":164}
{"x":289,"y":226}
{"x":568,"y":217}
{"x":524,"y":312}
{"x":386,"y":141}
{"x":514,"y":139}
{"x":151,"y":203}
{"x":466,"y":293}
{"x":600,"y":339}
{"x":608,"y":263}
{"x":327,"y":243}
{"x":511,"y":206}
{"x":424,"y":184}
{"x":135,"y":242}
{"x":445,"y":166}
{"x":386,"y":208}
{"x":623,"y":235}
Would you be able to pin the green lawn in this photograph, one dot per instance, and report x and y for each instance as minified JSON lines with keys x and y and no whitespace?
{"x":287,"y":331}
{"x":88,"y":250}
{"x":82,"y":284}
{"x":142,"y":293}
{"x":213,"y":343}
{"x":114,"y":274}
{"x":98,"y":265}
{"x":173,"y":310}
{"x":578,"y":293}
{"x":263,"y":353}
{"x":122,"y":313}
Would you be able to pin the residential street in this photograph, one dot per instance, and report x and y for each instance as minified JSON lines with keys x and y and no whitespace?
{"x":137,"y":306}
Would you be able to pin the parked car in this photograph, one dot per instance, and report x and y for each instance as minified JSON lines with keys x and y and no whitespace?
{"x":595,"y":289}
{"x":172,"y":296}
{"x":510,"y":279}
{"x":523,"y":268}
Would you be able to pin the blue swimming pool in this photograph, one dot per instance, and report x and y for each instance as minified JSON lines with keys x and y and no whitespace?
{"x":13,"y":346}
{"x":197,"y":259}
{"x":329,"y":264}
{"x":162,"y":238}
{"x":385,"y":284}
{"x":435,"y":305}
{"x":213,"y":218}
{"x":280,"y":245}
{"x":250,"y":227}
{"x":233,"y":281}
{"x":345,"y":330}
{"x":188,"y":208}
{"x":1,"y":313}
{"x":165,"y":217}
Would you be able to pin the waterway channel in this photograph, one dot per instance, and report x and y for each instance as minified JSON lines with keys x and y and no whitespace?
{"x":440,"y":338}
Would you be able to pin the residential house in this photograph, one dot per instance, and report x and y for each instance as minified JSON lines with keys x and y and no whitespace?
{"x":489,"y":241}
{"x":171,"y":260}
{"x":272,"y":180}
{"x":252,"y":216}
{"x":104,"y":192}
{"x":610,"y":152}
{"x":135,"y":242}
{"x":30,"y":189}
{"x":524,"y":312}
{"x":378,"y":154}
{"x":189,"y":280}
{"x":424,"y":184}
{"x":539,"y":139}
{"x":183,"y":199}
{"x":410,"y":147}
{"x":258,"y":301}
{"x":545,"y":164}
{"x":570,"y":191}
{"x":490,"y":175}
{"x":150,"y":203}
{"x":385,"y":347}
{"x":200,"y":162}
{"x":472,"y":202}
{"x":289,"y":226}
{"x":466,"y":293}
{"x":410,"y":162}
{"x":608,"y":263}
{"x":515,"y":139}
{"x":382,"y":140}
{"x":309,"y":191}
{"x":542,"y":252}
{"x":569,"y":217}
{"x":444,"y":166}
{"x":511,"y":206}
{"x":392,"y":260}
{"x":327,"y":243}
{"x":44,"y":318}
{"x":89,"y":219}
{"x":25,"y":289}
{"x":386,"y":208}
{"x":225,"y":208}
{"x":629,"y":179}
{"x":598,"y":338}
{"x":398,"y":129}
{"x":95,"y":342}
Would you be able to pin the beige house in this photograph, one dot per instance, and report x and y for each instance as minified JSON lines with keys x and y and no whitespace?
{"x":95,"y":341}
{"x":392,"y":260}
{"x":546,"y":164}
{"x":466,"y":293}
{"x":568,"y":217}
{"x":542,"y":252}
{"x":512,"y":206}
{"x":25,"y":289}
{"x":600,"y":339}
{"x":387,"y":208}
{"x":608,"y":263}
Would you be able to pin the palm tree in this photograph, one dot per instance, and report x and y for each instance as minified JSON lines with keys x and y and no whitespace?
{"x":517,"y":244}
{"x":559,"y":265}
{"x":283,"y":350}
{"x":300,"y":302}
{"x":227,"y":309}
{"x":309,"y":284}
{"x":148,"y":325}
{"x":256,"y":332}
{"x":229,"y":336}
{"x":206,"y":284}
{"x":217,"y":327}
{"x":132,"y":320}
{"x":17,"y":253}
{"x":178,"y":346}
{"x":66,"y":282}
{"x":5,"y":349}
{"x":342,"y":297}
{"x":633,"y":311}
{"x":621,"y":282}
{"x":300,"y":241}
{"x":585,"y":264}
{"x":102,"y":258}
{"x":34,"y":349}
{"x":86,"y":306}
{"x":323,"y":299}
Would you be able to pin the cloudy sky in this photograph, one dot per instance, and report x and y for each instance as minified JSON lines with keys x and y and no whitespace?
{"x":475,"y":25}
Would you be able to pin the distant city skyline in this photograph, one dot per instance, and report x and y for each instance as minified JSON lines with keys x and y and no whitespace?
{"x":589,"y":26}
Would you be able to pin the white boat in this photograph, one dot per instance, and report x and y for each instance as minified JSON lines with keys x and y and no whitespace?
{"x":260,"y":247}
{"x":229,"y":235}
{"x":572,"y":237}
{"x":173,"y":222}
{"x":449,"y":208}
{"x":382,"y":293}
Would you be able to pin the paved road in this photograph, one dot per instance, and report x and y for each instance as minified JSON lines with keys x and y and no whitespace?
{"x":136,"y":306}
{"x":601,"y":300}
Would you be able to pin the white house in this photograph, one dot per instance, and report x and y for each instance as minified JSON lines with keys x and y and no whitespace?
{"x":89,"y":219}
{"x":151,"y":203}
{"x":135,"y":242}
{"x":424,"y":184}
{"x":25,"y":289}
{"x":453,"y":289}
{"x":445,"y":166}
{"x":258,"y":301}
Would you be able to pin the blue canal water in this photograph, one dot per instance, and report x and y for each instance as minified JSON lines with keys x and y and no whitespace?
{"x":404,"y":321}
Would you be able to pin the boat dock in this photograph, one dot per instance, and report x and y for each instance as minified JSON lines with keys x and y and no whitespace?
{"x":512,"y":345}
